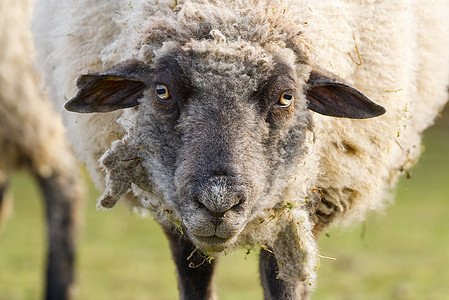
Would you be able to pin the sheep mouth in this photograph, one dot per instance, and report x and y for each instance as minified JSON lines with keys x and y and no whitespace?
{"x":212,"y":243}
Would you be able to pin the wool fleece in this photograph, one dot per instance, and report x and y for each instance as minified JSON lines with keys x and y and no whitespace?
{"x":296,"y":170}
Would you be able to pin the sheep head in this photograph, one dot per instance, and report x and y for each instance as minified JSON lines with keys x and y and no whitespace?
{"x":220,"y":127}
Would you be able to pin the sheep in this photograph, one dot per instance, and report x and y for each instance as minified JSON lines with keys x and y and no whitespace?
{"x":32,"y":137}
{"x":246,"y":122}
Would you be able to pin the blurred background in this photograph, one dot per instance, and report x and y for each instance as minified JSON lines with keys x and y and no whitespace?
{"x":402,"y":253}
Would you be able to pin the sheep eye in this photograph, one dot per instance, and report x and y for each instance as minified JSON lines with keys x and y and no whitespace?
{"x":162,"y":93}
{"x":286,"y":99}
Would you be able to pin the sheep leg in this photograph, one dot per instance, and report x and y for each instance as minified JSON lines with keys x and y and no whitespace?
{"x":194,"y":275}
{"x":3,"y":187}
{"x":275,"y":288}
{"x":60,"y":196}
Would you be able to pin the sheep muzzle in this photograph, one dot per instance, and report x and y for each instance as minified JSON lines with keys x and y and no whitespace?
{"x":216,"y":209}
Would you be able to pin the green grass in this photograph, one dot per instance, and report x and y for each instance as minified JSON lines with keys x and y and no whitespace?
{"x":403,"y":254}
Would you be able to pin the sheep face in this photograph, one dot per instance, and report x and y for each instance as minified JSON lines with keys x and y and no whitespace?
{"x":232,"y":126}
{"x":240,"y":131}
{"x":221,"y":127}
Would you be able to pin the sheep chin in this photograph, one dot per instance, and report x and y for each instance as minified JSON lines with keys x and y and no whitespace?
{"x":213,"y":244}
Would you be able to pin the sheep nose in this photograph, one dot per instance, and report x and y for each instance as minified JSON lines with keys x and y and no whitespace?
{"x":218,"y":209}
{"x":220,"y":195}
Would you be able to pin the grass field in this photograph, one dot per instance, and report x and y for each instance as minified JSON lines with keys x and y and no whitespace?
{"x":402,"y":254}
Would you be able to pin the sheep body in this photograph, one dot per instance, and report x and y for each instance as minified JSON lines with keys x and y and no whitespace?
{"x":20,"y":123}
{"x":348,"y":167}
{"x":32,"y":137}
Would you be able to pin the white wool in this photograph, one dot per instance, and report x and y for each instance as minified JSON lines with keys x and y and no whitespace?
{"x":31,"y":133}
{"x":395,"y":52}
{"x":391,"y":143}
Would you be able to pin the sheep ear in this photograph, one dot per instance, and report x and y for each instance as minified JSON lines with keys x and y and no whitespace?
{"x":331,"y":97}
{"x":118,"y":88}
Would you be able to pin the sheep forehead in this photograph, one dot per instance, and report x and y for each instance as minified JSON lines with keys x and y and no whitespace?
{"x":221,"y":49}
{"x":245,"y":64}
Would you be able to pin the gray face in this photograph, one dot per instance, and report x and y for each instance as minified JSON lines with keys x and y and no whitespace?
{"x":226,"y":137}
{"x":219,"y":130}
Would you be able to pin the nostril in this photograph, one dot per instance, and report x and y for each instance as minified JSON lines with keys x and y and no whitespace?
{"x":199,"y":203}
{"x":240,"y":199}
